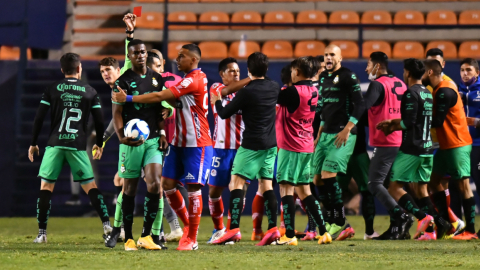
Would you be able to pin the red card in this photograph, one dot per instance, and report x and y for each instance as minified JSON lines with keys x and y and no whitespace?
{"x":137,"y":11}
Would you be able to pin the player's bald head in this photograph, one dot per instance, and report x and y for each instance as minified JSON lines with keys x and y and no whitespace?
{"x":332,"y":57}
{"x":333,"y":48}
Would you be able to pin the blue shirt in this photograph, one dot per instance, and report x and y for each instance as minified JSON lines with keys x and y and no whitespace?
{"x":471,"y":99}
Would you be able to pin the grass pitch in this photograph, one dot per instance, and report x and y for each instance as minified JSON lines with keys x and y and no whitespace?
{"x":76,"y":243}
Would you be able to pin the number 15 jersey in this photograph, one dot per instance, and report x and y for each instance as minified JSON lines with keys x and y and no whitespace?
{"x":191,"y":124}
{"x":70,"y":101}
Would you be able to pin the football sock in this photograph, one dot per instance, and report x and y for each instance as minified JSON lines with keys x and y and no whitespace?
{"x":96,"y":198}
{"x":119,"y":189}
{"x":271,"y":208}
{"x":229,"y":220}
{"x":426,"y":206}
{"x":315,"y":212}
{"x":322,"y":197}
{"x":407,"y":202}
{"x":177,"y":203}
{"x":128,"y":205}
{"x":158,"y":222}
{"x":258,"y":208}
{"x":368,"y":211}
{"x":395,"y":214}
{"x":44,"y":204}
{"x":195,"y":211}
{"x":282,"y":220}
{"x":440,"y":200}
{"x":184,"y":193}
{"x":236,"y":205}
{"x":117,"y":222}
{"x":334,"y":196}
{"x":451,"y":215}
{"x":150,"y":209}
{"x":311,"y":227}
{"x":216,"y":212}
{"x":170,"y":215}
{"x":469,"y":212}
{"x":288,"y":203}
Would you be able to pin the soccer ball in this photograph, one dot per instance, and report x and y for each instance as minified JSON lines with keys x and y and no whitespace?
{"x":137,"y":129}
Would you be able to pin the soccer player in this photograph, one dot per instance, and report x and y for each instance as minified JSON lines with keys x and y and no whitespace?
{"x":457,"y":223}
{"x":382,"y":101}
{"x":135,"y":155}
{"x":256,"y":155}
{"x":188,"y":158}
{"x":156,"y":62}
{"x":414,"y":161}
{"x":71,"y":101}
{"x":295,"y":139}
{"x":227,"y":138}
{"x":470,"y":87}
{"x":338,"y":89}
{"x":455,"y":147}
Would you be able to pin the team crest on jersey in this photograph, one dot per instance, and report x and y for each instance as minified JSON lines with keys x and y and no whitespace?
{"x":154,"y":82}
{"x":122,"y":168}
{"x":186,"y":82}
{"x":214,"y":172}
{"x":335,"y":80}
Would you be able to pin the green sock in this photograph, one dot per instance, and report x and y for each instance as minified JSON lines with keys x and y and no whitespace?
{"x":118,"y":211}
{"x":157,"y":224}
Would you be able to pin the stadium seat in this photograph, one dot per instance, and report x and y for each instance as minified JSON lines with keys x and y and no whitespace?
{"x":150,"y":20}
{"x":174,"y":47}
{"x":312,"y":0}
{"x":12,"y":53}
{"x":349,"y":48}
{"x":376,"y":17}
{"x":213,"y":50}
{"x":408,"y":49}
{"x":469,"y":17}
{"x":311,"y":16}
{"x":182,"y":1}
{"x":280,"y":16}
{"x":278,"y":49}
{"x":250,"y":47}
{"x":279,"y":0}
{"x":409,"y":17}
{"x":377,"y":0}
{"x":441,"y":17}
{"x":246,"y":1}
{"x":441,"y":0}
{"x":246,"y":17}
{"x":449,"y":49}
{"x":306,"y":48}
{"x":469,"y":49}
{"x":409,"y":0}
{"x":345,"y":0}
{"x":182,"y":16}
{"x":344,"y":17}
{"x":369,"y":47}
{"x":149,"y":1}
{"x":215,"y":1}
{"x":214,"y":16}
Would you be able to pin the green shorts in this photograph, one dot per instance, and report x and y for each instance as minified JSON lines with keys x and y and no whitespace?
{"x":357,"y":169}
{"x":409,"y":168}
{"x":455,"y":162}
{"x":55,"y":158}
{"x":293,"y":167}
{"x":251,"y":164}
{"x":133,"y":159}
{"x":328,"y":157}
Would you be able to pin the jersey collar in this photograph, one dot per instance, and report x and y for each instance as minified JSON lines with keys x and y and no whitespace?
{"x":195,"y":69}
{"x":304,"y":82}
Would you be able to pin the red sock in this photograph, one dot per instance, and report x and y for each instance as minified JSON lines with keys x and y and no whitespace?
{"x":175,"y":199}
{"x":195,"y":208}
{"x":229,"y":220}
{"x":282,"y":220}
{"x":451,"y":215}
{"x":216,"y":211}
{"x":258,"y":208}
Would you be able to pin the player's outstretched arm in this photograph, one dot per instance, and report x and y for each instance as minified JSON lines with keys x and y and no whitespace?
{"x":130,"y":21}
{"x":234,"y":106}
{"x":235,"y":86}
{"x":156,"y":97}
{"x":99,"y":127}
{"x":37,"y":127}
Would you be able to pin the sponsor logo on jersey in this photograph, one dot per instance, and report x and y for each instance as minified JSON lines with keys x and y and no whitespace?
{"x":62,"y":87}
{"x":186,"y":82}
{"x":197,"y":125}
{"x":67,"y":136}
{"x":189,"y":176}
{"x":70,"y":97}
{"x":133,"y":85}
{"x":154,"y":82}
{"x":335,"y":80}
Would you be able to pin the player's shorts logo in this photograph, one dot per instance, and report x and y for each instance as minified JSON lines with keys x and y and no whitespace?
{"x":214,"y":172}
{"x":189,"y":176}
{"x":122,"y":168}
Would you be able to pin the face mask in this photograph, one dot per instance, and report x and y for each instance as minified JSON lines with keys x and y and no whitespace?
{"x":372,"y":77}
{"x":471,"y":81}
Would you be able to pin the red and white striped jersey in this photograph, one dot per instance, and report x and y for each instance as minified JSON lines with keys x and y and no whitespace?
{"x":191,"y":124}
{"x":228,"y":132}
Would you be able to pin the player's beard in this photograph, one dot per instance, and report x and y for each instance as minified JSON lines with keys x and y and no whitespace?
{"x":426,"y":81}
{"x":334,"y":66}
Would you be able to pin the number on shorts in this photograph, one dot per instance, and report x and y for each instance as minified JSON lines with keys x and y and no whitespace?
{"x":216,"y":162}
